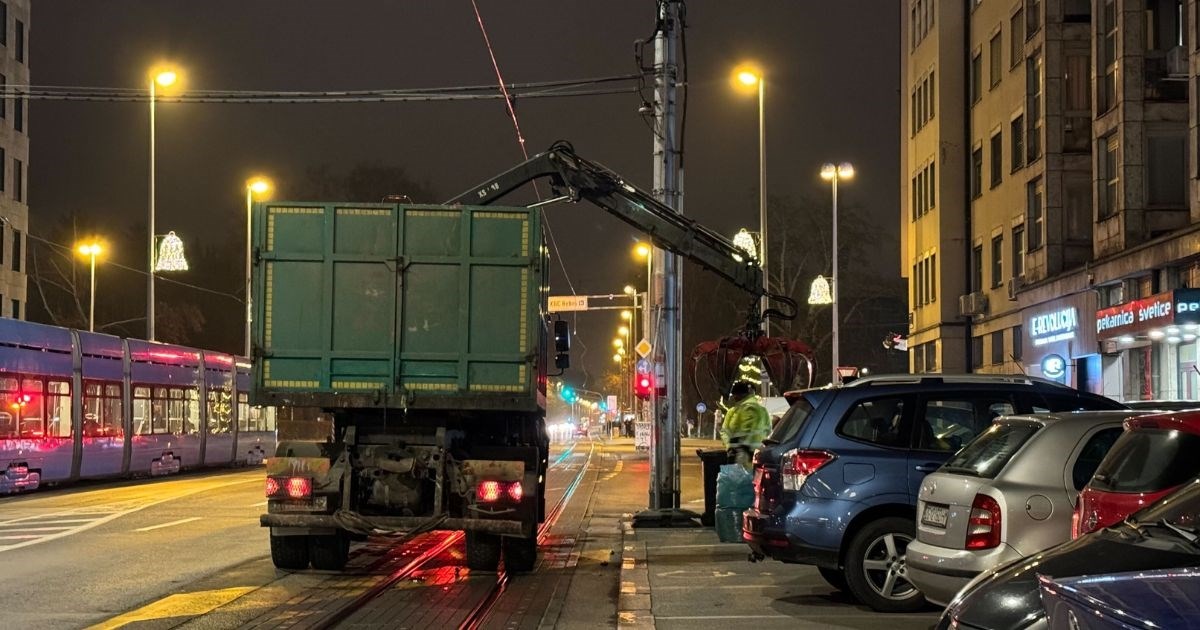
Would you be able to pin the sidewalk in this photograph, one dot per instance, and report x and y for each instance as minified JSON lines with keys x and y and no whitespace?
{"x":687,"y":579}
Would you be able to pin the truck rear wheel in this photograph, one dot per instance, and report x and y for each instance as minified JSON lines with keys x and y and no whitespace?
{"x":289,"y":552}
{"x":483,"y":551}
{"x":329,"y":552}
{"x":520,"y":554}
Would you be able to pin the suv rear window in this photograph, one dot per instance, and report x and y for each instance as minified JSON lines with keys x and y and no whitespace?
{"x":792,"y":421}
{"x":1148,"y":460}
{"x":987,"y":454}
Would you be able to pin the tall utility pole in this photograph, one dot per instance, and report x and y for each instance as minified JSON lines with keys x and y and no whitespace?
{"x":664,"y":435}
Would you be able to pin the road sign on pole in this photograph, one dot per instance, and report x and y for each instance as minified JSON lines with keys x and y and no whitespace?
{"x":560,"y":303}
{"x":643,"y":348}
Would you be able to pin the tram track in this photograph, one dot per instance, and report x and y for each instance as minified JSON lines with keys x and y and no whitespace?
{"x":486,"y":601}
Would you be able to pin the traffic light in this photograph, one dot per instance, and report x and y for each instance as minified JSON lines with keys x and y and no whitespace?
{"x":568,"y":394}
{"x":643,"y":386}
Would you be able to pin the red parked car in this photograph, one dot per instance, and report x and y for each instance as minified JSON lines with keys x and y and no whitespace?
{"x":1155,"y":455}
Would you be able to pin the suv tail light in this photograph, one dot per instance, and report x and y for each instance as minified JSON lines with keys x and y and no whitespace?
{"x":798,"y":464}
{"x":983,"y":526}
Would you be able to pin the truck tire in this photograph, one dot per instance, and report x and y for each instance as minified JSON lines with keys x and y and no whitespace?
{"x":483,"y":551}
{"x":289,"y":552}
{"x":329,"y":552}
{"x":876,"y":574}
{"x":520,"y":554}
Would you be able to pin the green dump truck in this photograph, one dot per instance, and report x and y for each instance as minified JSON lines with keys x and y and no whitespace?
{"x":421,"y":329}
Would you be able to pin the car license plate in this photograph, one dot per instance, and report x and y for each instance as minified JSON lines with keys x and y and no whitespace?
{"x":935,"y":515}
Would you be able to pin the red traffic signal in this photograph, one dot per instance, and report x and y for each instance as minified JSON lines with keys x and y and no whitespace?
{"x":643,"y":386}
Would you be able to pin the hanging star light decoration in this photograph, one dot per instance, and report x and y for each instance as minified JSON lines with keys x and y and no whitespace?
{"x":170,"y":254}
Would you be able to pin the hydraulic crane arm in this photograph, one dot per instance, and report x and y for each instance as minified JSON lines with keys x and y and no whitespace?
{"x":577,"y":178}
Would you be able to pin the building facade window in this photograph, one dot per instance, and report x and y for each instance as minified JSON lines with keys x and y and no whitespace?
{"x":1166,"y":168}
{"x":998,"y":347}
{"x":976,"y":76}
{"x":1033,"y":106}
{"x":17,"y":256}
{"x":1110,"y":177}
{"x":921,"y":17}
{"x":1016,"y":135}
{"x":1018,"y":251}
{"x":997,"y":260}
{"x":19,"y":114}
{"x":1033,"y":17}
{"x":976,"y":172}
{"x":976,"y":352}
{"x":18,"y":180}
{"x":977,"y":268}
{"x":1017,"y":331}
{"x":1016,"y":37}
{"x":995,"y":59}
{"x":3,"y":23}
{"x":1107,"y":94}
{"x":20,"y":43}
{"x":1034,"y":220}
{"x":997,"y":157}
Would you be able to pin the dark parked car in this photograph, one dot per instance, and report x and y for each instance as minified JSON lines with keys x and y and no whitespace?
{"x":836,"y":483}
{"x":1141,"y":599}
{"x":1162,"y":536}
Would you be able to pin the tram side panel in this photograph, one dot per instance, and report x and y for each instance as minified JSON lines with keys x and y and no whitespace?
{"x":218,"y":411}
{"x":36,"y":424}
{"x":103,"y":404}
{"x":256,"y":426}
{"x":165,"y":383}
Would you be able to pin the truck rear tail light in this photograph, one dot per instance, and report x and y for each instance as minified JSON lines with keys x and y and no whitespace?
{"x":299,"y":487}
{"x":493,"y":491}
{"x":289,"y":487}
{"x":983,"y":526}
{"x":798,"y":464}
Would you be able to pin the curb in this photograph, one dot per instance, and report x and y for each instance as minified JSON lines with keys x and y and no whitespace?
{"x":633,"y":598}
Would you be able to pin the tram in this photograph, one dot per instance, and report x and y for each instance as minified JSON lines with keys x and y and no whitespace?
{"x":79,"y":405}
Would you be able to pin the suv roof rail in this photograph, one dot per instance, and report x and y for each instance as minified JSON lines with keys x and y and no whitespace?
{"x":897,"y":379}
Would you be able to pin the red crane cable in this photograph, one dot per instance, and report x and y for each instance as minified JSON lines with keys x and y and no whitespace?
{"x":512,"y":113}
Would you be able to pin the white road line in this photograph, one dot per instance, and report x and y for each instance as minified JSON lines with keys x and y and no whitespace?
{"x":179,"y":522}
{"x":34,"y":529}
{"x":20,"y":537}
{"x":260,"y":504}
{"x":53,"y":522}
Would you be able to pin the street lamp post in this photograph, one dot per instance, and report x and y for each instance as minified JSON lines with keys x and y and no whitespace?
{"x":833,"y":174}
{"x":749,"y":76}
{"x":91,"y":250}
{"x":165,"y":78}
{"x":256,"y":186}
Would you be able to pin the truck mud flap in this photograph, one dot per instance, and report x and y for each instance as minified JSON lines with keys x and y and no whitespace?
{"x":398,"y":523}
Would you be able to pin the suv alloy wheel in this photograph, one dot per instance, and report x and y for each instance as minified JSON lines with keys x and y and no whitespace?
{"x":875,"y":570}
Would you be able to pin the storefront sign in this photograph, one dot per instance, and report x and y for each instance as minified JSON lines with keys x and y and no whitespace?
{"x":1058,"y":325}
{"x":1054,"y":366}
{"x":1187,"y":306}
{"x":1136,"y":316}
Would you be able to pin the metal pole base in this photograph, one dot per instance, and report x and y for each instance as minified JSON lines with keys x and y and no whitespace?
{"x":665,"y":517}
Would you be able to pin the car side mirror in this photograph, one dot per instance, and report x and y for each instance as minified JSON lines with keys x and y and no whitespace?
{"x":562,"y":344}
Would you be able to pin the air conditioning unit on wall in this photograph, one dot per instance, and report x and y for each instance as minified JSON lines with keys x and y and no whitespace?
{"x":1014,"y":285}
{"x":1177,"y":61}
{"x":972,"y":304}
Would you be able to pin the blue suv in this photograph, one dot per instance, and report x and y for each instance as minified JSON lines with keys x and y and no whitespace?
{"x":836,"y":483}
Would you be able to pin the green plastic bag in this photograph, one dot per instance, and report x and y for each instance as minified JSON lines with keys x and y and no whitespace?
{"x":729,"y":524}
{"x":735,"y":487}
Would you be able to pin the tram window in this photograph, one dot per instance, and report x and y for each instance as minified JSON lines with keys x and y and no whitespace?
{"x":142,"y":419}
{"x":243,"y":412}
{"x":102,"y":410}
{"x":176,"y":410}
{"x":219,"y":411}
{"x":191,"y":414}
{"x":58,"y":409}
{"x":10,"y":425}
{"x":30,"y":409}
{"x":269,"y":418}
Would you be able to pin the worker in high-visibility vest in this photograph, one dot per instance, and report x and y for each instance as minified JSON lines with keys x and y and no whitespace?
{"x":746,"y":425}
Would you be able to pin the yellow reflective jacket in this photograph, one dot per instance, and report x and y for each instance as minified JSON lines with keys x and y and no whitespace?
{"x":746,"y":423}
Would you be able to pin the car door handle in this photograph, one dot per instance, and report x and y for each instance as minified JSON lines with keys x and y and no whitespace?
{"x":927,"y":467}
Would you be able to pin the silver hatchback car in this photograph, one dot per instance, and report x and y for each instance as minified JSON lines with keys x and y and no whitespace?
{"x":1007,"y":494}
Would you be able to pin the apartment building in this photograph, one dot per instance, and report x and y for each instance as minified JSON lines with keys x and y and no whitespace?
{"x":1050,"y":173}
{"x":14,"y":157}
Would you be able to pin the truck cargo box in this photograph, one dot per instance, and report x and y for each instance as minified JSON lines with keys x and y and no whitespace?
{"x":398,"y":306}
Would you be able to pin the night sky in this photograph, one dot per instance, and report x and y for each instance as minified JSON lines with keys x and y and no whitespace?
{"x":832,"y":94}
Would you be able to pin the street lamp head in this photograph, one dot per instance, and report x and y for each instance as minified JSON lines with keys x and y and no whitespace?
{"x":828,"y":171}
{"x":166,"y":78}
{"x":616,"y":358}
{"x":746,"y":76}
{"x":629,"y":290}
{"x":90,"y":249}
{"x":621,"y":352}
{"x":617,"y":343}
{"x":845,"y":170}
{"x":258,"y":185}
{"x":624,"y":330}
{"x":642,"y":250}
{"x":626,"y":315}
